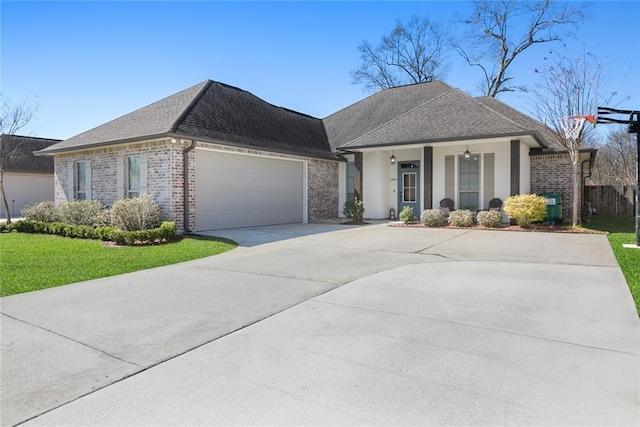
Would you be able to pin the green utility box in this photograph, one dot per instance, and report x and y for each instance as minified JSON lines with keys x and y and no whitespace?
{"x":554,"y":207}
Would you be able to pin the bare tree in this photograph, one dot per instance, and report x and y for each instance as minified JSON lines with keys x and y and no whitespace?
{"x":617,"y":159}
{"x":13,"y":117}
{"x":568,"y":87}
{"x":414,"y":52}
{"x":493,"y":42}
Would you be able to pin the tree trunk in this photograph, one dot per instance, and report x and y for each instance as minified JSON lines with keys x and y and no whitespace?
{"x":5,"y":204}
{"x":576,"y":219}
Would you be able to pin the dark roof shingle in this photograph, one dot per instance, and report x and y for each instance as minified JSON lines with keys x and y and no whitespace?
{"x":215,"y":112}
{"x":25,"y":161}
{"x":425,"y":112}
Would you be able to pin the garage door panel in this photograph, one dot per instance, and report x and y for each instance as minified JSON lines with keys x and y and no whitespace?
{"x":240,"y":191}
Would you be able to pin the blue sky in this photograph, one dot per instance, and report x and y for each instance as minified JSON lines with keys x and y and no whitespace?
{"x":85,"y":63}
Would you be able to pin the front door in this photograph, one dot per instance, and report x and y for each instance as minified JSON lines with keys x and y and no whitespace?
{"x":409,"y":186}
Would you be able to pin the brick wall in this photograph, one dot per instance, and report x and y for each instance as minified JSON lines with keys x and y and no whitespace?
{"x":554,"y":173}
{"x":104,"y":171}
{"x":165,"y":177}
{"x":322,"y":188}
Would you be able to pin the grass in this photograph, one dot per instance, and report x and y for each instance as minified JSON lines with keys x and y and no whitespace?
{"x":622,"y":230}
{"x":29,"y":262}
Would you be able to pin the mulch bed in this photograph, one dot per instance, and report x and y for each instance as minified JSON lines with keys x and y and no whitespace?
{"x":532,"y":228}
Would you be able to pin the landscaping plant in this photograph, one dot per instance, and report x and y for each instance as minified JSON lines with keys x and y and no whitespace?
{"x":461,"y":218}
{"x":43,"y":211}
{"x":407,"y":214}
{"x":79,"y":212}
{"x":525,"y":209}
{"x":432,"y":217}
{"x":491,"y":219}
{"x":354,"y":210}
{"x":139,"y":213}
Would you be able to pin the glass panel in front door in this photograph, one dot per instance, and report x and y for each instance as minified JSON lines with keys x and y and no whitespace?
{"x":409,"y":180}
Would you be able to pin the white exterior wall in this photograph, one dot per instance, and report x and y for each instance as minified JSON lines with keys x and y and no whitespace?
{"x":502,"y":152}
{"x":24,"y":189}
{"x":376,"y":172}
{"x":342,"y":186}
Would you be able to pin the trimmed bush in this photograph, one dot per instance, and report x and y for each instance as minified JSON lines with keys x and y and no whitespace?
{"x":407,"y":214}
{"x":461,"y":218}
{"x":489,"y":218}
{"x":79,"y":212}
{"x":43,"y":211}
{"x":432,"y":217}
{"x":525,"y":209}
{"x":139,"y":213}
{"x":354,"y":210}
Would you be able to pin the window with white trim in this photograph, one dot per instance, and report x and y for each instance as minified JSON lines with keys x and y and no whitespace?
{"x":351,"y":192}
{"x":469,"y":182}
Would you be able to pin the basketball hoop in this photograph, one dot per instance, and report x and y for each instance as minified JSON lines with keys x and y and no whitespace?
{"x":572,"y":125}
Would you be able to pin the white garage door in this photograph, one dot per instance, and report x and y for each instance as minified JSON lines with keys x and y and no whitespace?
{"x":234,"y":190}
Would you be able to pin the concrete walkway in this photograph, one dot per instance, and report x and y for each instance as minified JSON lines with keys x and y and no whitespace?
{"x":342,"y":325}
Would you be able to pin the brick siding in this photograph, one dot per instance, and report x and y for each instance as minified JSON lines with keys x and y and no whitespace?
{"x":553,"y":173}
{"x":104,"y":169}
{"x":322,"y":188}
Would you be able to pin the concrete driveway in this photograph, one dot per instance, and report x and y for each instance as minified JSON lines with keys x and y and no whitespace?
{"x":340,"y":325}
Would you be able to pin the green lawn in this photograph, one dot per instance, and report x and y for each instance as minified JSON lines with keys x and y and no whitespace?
{"x":622,"y":230}
{"x":29,"y":262}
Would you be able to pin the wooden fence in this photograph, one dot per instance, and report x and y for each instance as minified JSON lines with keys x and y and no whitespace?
{"x":613,"y":200}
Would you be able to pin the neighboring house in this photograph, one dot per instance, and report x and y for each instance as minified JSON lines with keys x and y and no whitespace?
{"x":28,"y":179}
{"x":215,"y":156}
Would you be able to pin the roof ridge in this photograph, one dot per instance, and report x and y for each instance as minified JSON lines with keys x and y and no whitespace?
{"x":400,"y":116}
{"x":189,"y":107}
{"x":31,"y":137}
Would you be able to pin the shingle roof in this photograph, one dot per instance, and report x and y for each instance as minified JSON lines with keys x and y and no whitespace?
{"x":212,"y":111}
{"x":549,"y":135}
{"x":425,"y":112}
{"x":25,"y":161}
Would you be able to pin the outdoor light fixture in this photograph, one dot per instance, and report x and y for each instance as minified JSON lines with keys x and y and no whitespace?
{"x":392,"y":159}
{"x":467,"y":154}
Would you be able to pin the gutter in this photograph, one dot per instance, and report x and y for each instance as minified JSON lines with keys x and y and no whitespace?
{"x":185,"y":171}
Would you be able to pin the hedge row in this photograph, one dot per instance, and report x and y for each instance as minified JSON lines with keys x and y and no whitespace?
{"x":107,"y":233}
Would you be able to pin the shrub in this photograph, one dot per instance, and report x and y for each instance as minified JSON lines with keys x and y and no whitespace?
{"x":489,"y":218}
{"x":432,"y":217}
{"x":525,"y":208}
{"x":43,"y":211}
{"x":139,"y":213}
{"x":407,"y":214}
{"x":354,"y":210}
{"x":79,"y":212}
{"x":4,"y":227}
{"x":461,"y":218}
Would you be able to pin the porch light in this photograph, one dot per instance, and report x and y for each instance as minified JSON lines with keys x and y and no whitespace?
{"x":467,"y":154}
{"x":392,"y":159}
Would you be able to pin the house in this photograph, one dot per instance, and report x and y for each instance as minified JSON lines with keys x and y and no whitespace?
{"x":215,"y":156}
{"x":28,"y":179}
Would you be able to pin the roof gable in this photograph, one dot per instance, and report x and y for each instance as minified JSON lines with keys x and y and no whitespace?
{"x":153,"y":120}
{"x":227,"y":114}
{"x":431,"y":112}
{"x":215,"y":112}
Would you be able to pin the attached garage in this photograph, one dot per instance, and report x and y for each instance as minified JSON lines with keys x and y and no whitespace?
{"x":237,"y":190}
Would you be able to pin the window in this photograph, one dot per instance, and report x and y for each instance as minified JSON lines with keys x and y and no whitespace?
{"x":81,"y":181}
{"x":409,"y":181}
{"x":133,"y":176}
{"x":469,"y":183}
{"x":351,"y":192}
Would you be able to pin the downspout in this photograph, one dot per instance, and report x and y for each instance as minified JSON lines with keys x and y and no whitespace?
{"x":584,"y":181}
{"x":185,"y":170}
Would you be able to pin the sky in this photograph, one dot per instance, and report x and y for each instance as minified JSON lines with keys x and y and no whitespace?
{"x":83,"y":63}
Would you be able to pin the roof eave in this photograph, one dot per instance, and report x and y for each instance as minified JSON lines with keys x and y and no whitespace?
{"x":54,"y":151}
{"x":535,"y":136}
